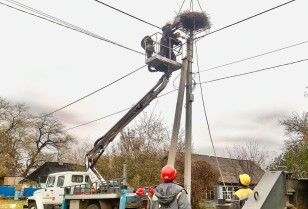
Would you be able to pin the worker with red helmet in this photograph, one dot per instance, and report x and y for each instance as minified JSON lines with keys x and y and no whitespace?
{"x":140,"y":191}
{"x":169,"y":195}
{"x":151,"y":192}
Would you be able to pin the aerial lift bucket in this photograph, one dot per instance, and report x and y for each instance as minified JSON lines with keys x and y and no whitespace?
{"x":153,"y":45}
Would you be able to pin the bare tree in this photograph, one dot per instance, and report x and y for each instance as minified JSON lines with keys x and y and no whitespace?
{"x":46,"y":135}
{"x":247,"y":159}
{"x":74,"y":154}
{"x":296,"y":126}
{"x":13,"y":125}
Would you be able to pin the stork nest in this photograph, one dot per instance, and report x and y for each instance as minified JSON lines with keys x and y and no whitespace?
{"x":192,"y":21}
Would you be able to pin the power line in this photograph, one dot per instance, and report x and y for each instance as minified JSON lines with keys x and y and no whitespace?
{"x":210,"y":81}
{"x":97,"y":119}
{"x":127,"y":14}
{"x":255,"y":56}
{"x":181,"y":7}
{"x":206,"y":118}
{"x":96,"y":90}
{"x":63,"y":23}
{"x":243,"y":20}
{"x":96,"y":36}
{"x":256,"y":71}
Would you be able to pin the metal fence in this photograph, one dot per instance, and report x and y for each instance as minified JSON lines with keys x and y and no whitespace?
{"x":10,"y":192}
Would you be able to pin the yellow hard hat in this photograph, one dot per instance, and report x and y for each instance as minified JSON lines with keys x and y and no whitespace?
{"x":245,"y":179}
{"x":177,"y":34}
{"x":168,"y":23}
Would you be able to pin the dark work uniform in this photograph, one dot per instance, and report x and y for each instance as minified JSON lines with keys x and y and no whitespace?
{"x":167,"y":42}
{"x":169,"y":195}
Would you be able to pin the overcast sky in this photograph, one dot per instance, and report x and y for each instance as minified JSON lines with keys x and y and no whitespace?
{"x":48,"y":66}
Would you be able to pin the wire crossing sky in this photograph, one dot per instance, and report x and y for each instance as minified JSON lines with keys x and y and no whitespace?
{"x":68,"y":25}
{"x":56,"y":66}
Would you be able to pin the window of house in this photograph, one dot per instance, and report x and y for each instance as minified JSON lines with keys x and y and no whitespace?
{"x":228,"y":191}
{"x":209,"y":194}
{"x":60,"y":181}
{"x":77,"y":178}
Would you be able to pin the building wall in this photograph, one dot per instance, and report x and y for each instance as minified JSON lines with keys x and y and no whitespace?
{"x":12,"y":181}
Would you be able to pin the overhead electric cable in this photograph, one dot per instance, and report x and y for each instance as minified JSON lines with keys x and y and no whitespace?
{"x":210,"y":81}
{"x":255,"y":56}
{"x":113,"y":82}
{"x":200,"y":7}
{"x":127,"y":14}
{"x":256,"y":71}
{"x":241,"y":74}
{"x":244,"y":20}
{"x":63,"y":23}
{"x":181,"y":7}
{"x":207,"y":121}
{"x":97,"y":119}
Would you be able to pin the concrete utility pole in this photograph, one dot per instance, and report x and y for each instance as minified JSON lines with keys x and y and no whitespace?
{"x":188,"y":125}
{"x":178,"y":114}
{"x":187,"y":22}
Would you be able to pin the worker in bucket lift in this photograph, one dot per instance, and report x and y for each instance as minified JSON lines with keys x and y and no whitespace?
{"x":168,"y":40}
{"x":169,"y":195}
{"x":147,"y":43}
{"x":244,"y":192}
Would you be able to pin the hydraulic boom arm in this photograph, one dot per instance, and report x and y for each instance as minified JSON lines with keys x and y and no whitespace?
{"x":100,"y":144}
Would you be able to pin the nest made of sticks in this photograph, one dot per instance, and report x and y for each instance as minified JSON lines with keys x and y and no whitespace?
{"x":192,"y":21}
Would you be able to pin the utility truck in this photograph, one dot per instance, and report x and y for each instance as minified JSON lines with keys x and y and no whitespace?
{"x":52,"y":194}
{"x":88,"y":190}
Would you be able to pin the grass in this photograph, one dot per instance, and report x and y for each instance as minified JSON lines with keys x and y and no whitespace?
{"x":12,"y":204}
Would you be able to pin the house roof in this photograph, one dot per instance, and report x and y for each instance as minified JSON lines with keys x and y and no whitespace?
{"x":231,"y":168}
{"x":50,"y":167}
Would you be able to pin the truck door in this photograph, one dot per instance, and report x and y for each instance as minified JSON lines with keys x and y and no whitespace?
{"x":48,"y":192}
{"x":59,"y":190}
{"x":53,"y":193}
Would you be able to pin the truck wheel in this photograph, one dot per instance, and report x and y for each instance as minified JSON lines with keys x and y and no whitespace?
{"x":93,"y":206}
{"x":32,"y":205}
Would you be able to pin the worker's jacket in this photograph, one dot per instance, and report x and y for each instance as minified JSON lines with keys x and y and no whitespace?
{"x":169,"y":195}
{"x":243,"y":193}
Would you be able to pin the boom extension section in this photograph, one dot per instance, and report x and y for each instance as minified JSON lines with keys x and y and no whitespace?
{"x":100,"y":145}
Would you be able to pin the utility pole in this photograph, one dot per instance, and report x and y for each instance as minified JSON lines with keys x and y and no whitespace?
{"x":178,"y":114}
{"x":188,"y":124}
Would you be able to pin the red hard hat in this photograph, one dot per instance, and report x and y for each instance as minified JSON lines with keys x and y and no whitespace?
{"x":140,"y":191}
{"x":168,"y":173}
{"x":151,"y":191}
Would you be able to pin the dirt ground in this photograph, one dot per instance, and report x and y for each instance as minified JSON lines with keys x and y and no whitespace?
{"x":12,"y":204}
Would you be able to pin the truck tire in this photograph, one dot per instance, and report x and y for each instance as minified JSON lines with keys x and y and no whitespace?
{"x":32,"y":205}
{"x":93,"y":206}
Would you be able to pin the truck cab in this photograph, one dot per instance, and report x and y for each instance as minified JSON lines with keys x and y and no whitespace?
{"x":52,"y":195}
